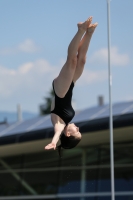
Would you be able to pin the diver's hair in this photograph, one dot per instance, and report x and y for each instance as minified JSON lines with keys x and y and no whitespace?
{"x":67,"y":142}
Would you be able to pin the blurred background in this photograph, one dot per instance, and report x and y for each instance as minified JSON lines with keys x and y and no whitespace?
{"x":34,"y":40}
{"x":35,"y":35}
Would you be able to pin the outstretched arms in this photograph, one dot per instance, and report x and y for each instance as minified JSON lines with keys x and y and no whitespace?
{"x":58,"y":130}
{"x":54,"y":141}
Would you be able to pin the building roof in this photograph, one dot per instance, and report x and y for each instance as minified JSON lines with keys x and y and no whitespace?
{"x":90,"y":119}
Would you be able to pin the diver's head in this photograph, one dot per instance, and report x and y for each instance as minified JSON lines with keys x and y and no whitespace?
{"x":72,"y":130}
{"x":70,"y":137}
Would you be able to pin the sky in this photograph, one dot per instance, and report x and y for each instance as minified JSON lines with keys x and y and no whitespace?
{"x":35,"y":35}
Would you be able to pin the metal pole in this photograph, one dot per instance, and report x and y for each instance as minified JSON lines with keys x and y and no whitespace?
{"x":83,"y":173}
{"x":110,"y":106}
{"x":19,"y":113}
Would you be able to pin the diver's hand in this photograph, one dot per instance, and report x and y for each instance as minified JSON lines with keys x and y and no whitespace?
{"x":50,"y":146}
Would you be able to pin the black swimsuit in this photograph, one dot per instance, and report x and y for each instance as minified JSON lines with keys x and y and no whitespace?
{"x":63,"y":107}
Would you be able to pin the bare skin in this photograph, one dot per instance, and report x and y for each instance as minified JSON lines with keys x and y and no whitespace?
{"x":71,"y":71}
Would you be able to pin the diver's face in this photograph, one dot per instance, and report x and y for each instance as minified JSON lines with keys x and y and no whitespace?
{"x":72,"y":130}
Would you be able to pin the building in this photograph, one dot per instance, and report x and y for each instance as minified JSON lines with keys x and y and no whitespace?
{"x":83,"y":173}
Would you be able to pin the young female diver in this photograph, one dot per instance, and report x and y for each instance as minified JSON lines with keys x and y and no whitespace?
{"x":61,"y":109}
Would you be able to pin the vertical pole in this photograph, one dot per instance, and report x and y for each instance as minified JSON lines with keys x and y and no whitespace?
{"x":83,"y":173}
{"x":19,"y":112}
{"x":110,"y":106}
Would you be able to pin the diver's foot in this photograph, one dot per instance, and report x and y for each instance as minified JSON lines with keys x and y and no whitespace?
{"x":84,"y":25}
{"x":91,"y":28}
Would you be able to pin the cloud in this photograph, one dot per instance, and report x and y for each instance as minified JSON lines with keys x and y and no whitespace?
{"x":117,"y":59}
{"x":27,"y":46}
{"x":29,"y":77}
{"x":34,"y":78}
{"x":129,"y":97}
{"x":89,"y":76}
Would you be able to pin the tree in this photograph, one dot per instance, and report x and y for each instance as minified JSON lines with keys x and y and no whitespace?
{"x":45,"y":108}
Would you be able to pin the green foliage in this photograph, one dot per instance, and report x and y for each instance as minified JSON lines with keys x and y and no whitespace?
{"x":45,"y":108}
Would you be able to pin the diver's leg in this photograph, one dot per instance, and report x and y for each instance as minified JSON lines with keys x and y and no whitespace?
{"x":65,"y":77}
{"x":82,"y":51}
